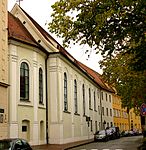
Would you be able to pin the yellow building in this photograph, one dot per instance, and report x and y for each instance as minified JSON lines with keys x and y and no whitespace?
{"x":134,"y":120}
{"x":122,"y":119}
{"x":3,"y":70}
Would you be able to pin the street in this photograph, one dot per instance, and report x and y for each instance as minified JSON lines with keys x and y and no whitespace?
{"x":124,"y":143}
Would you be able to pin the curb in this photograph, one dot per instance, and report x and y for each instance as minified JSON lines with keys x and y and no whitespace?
{"x":78,"y":145}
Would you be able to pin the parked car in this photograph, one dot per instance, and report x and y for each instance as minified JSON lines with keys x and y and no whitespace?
{"x":115,"y":132}
{"x":14,"y":144}
{"x":102,"y":135}
{"x":125,"y":133}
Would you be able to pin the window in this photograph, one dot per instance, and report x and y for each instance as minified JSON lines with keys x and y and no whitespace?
{"x":107,"y":111}
{"x":106,"y":96}
{"x":24,"y":128}
{"x":103,"y":111}
{"x":75,"y":96}
{"x":109,"y":98}
{"x":99,"y":110}
{"x":102,"y":95}
{"x":96,"y":128}
{"x":83,"y":89}
{"x":110,"y":112}
{"x":91,"y":125}
{"x":24,"y":81}
{"x":40,"y":86}
{"x":65,"y":93}
{"x":94,"y":101}
{"x":89,"y":98}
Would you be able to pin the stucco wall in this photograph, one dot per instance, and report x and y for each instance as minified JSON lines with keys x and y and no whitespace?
{"x":30,"y":112}
{"x":72,"y":127}
{"x":3,"y":70}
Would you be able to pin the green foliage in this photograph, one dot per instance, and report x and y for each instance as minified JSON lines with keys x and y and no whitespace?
{"x":130,"y":85}
{"x":117,"y":29}
{"x":109,"y":26}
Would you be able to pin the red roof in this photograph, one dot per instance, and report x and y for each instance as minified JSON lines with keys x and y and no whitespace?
{"x":17,"y":31}
{"x":96,"y":77}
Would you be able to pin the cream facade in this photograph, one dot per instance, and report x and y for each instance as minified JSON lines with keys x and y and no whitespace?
{"x":73,"y":124}
{"x":107,"y":109}
{"x":72,"y":100}
{"x":27,"y":117}
{"x":3,"y":70}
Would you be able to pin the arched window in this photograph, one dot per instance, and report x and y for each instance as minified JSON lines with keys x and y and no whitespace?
{"x":83,"y":89}
{"x":89,"y":98}
{"x":94,"y":101}
{"x":24,"y":81}
{"x":40,"y":86}
{"x":75,"y":96}
{"x":65,"y":93}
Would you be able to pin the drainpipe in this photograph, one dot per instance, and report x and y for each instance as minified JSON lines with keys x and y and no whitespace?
{"x":101,"y":110}
{"x":47,"y":141}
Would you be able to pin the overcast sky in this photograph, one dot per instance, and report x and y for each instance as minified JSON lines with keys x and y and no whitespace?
{"x":40,"y":10}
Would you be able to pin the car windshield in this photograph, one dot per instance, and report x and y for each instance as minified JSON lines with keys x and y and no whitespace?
{"x":5,"y":145}
{"x":102,"y":132}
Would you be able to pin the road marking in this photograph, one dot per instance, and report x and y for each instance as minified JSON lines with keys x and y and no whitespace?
{"x":102,"y":149}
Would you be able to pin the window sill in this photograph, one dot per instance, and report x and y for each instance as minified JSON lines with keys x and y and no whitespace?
{"x":41,"y":104}
{"x":65,"y":111}
{"x":25,"y":100}
{"x":76,"y":114}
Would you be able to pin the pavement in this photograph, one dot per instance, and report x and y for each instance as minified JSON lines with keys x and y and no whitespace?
{"x":61,"y":146}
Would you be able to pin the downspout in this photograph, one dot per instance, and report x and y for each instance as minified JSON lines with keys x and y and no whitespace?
{"x":47,"y":137}
{"x":101,"y":111}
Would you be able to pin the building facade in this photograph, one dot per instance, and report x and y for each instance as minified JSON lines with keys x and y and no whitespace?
{"x":122,"y":119}
{"x":53,"y":97}
{"x":3,"y":70}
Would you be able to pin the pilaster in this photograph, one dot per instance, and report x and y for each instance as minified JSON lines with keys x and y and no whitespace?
{"x":14,"y":96}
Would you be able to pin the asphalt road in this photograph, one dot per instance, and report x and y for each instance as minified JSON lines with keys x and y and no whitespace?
{"x":124,"y":143}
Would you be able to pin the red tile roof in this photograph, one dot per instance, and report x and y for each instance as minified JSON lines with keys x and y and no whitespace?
{"x":95,"y":76}
{"x":17,"y":31}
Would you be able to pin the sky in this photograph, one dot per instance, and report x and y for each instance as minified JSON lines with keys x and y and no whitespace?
{"x":40,"y":10}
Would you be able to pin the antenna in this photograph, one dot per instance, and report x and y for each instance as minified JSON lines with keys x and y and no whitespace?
{"x":19,"y":1}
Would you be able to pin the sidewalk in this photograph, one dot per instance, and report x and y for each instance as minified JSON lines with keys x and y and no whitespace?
{"x":61,"y":146}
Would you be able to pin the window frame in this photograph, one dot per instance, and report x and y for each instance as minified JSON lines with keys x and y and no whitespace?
{"x":24,"y":81}
{"x":65,"y":93}
{"x":95,"y":107}
{"x":84,"y":105}
{"x":75,"y":97}
{"x":41,"y":86}
{"x":90,"y":107}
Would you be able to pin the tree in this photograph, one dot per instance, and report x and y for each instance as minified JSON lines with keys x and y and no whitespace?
{"x":109,"y":26}
{"x":130,"y":85}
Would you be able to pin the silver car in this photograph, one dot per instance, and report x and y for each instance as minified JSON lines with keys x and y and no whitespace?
{"x":14,"y":144}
